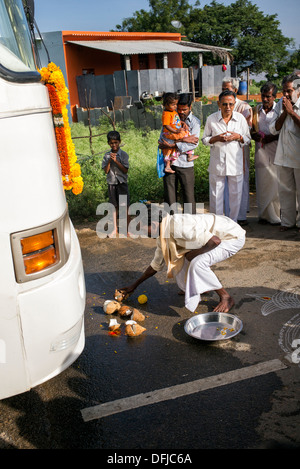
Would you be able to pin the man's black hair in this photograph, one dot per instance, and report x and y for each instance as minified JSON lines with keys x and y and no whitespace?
{"x":185,"y":99}
{"x":169,"y":98}
{"x":113,"y":135}
{"x":227,"y":93}
{"x":269,"y":86}
{"x":290,"y":79}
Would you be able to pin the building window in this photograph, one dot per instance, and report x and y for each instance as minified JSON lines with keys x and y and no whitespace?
{"x":159,"y":60}
{"x":143,"y":62}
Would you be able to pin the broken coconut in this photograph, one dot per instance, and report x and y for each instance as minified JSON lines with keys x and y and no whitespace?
{"x":133,"y":313}
{"x":120,"y":296}
{"x":113,"y":325}
{"x":111,"y":306}
{"x":125,"y":311}
{"x":132,"y":329}
{"x":137,"y":315}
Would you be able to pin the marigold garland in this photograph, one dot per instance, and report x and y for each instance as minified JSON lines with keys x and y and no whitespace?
{"x":58,"y":94}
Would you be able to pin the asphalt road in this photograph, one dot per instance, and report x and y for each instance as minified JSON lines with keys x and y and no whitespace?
{"x":164,"y":390}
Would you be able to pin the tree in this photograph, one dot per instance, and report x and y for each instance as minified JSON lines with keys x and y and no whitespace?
{"x":255,"y":38}
{"x":159,"y":18}
{"x":291,"y":63}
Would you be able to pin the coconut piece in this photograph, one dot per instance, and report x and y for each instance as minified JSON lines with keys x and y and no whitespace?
{"x":137,"y":315}
{"x":111,"y":306}
{"x":120,"y":296}
{"x":125,"y":311}
{"x":132,"y":329}
{"x":113,"y":325}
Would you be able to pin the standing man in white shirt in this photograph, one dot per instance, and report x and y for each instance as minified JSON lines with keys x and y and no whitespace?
{"x":267,"y":192}
{"x":287,"y":123}
{"x":232,"y":84}
{"x":226,"y":132}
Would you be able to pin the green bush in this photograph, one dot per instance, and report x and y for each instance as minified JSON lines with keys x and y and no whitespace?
{"x":144,"y":184}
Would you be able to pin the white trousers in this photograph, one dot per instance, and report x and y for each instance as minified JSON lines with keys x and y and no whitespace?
{"x":289,"y":195}
{"x":216,"y":194}
{"x":196,"y":277}
{"x":267,"y":195}
{"x":245,"y":202}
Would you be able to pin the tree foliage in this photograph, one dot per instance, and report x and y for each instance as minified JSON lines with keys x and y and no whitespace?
{"x":255,"y":38}
{"x":159,"y":18}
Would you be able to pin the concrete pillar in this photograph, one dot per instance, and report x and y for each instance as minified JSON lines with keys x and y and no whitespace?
{"x":165,"y":61}
{"x":127,"y":63}
{"x":200,"y":60}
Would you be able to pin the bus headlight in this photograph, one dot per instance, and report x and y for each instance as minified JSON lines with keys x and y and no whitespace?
{"x":40,"y":251}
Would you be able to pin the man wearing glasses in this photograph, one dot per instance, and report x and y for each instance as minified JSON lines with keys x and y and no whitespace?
{"x":226,"y":132}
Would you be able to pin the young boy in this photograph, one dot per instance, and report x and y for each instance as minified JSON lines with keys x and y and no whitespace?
{"x":173,"y":129}
{"x":116,"y":164}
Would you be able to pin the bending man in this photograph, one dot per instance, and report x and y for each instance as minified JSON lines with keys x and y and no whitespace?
{"x":189,"y":245}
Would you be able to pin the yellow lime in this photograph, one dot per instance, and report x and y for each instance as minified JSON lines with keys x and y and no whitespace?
{"x":142,"y":299}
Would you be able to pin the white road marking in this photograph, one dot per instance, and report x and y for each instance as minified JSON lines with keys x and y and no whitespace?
{"x":173,"y":392}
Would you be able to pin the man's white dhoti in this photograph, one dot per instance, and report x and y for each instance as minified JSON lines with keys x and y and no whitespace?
{"x":289,"y":193}
{"x":231,"y":188}
{"x":267,"y":194}
{"x":226,"y":162}
{"x":196,"y":277}
{"x":182,"y":233}
{"x":266,"y":177}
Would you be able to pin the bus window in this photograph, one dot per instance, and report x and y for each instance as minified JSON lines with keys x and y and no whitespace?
{"x":15,"y":43}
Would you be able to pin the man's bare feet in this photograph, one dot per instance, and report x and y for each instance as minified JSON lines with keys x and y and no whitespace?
{"x":226,"y":303}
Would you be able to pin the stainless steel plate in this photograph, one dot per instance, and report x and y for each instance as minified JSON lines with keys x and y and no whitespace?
{"x":213,"y":326}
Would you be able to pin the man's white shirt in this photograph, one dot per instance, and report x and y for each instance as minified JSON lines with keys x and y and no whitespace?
{"x":226,"y":158}
{"x":288,"y":148}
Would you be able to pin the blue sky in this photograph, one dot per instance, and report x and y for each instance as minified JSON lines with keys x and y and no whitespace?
{"x":103,"y":15}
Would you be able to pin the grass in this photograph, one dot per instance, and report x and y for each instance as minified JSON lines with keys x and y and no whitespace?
{"x":144,"y":184}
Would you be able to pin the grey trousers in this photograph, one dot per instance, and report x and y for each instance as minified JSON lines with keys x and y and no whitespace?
{"x":186,"y":178}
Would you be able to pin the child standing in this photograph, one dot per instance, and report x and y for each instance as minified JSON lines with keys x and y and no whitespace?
{"x":116,"y":164}
{"x":173,"y":129}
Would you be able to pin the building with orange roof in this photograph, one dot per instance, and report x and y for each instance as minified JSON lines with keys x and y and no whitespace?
{"x":80,"y":53}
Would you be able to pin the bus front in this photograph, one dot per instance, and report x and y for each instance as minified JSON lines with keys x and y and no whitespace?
{"x":42,"y":289}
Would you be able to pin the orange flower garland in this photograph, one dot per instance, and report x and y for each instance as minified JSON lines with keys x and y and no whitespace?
{"x":58,"y":94}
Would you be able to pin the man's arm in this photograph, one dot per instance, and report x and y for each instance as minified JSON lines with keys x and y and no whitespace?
{"x":212,"y":243}
{"x":277,"y":115}
{"x":149,"y":272}
{"x":208,"y":132}
{"x":190,"y":143}
{"x":288,"y":108}
{"x":191,"y":139}
{"x":279,"y":122}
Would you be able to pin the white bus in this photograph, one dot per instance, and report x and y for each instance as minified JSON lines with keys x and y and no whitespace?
{"x":42,"y":289}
